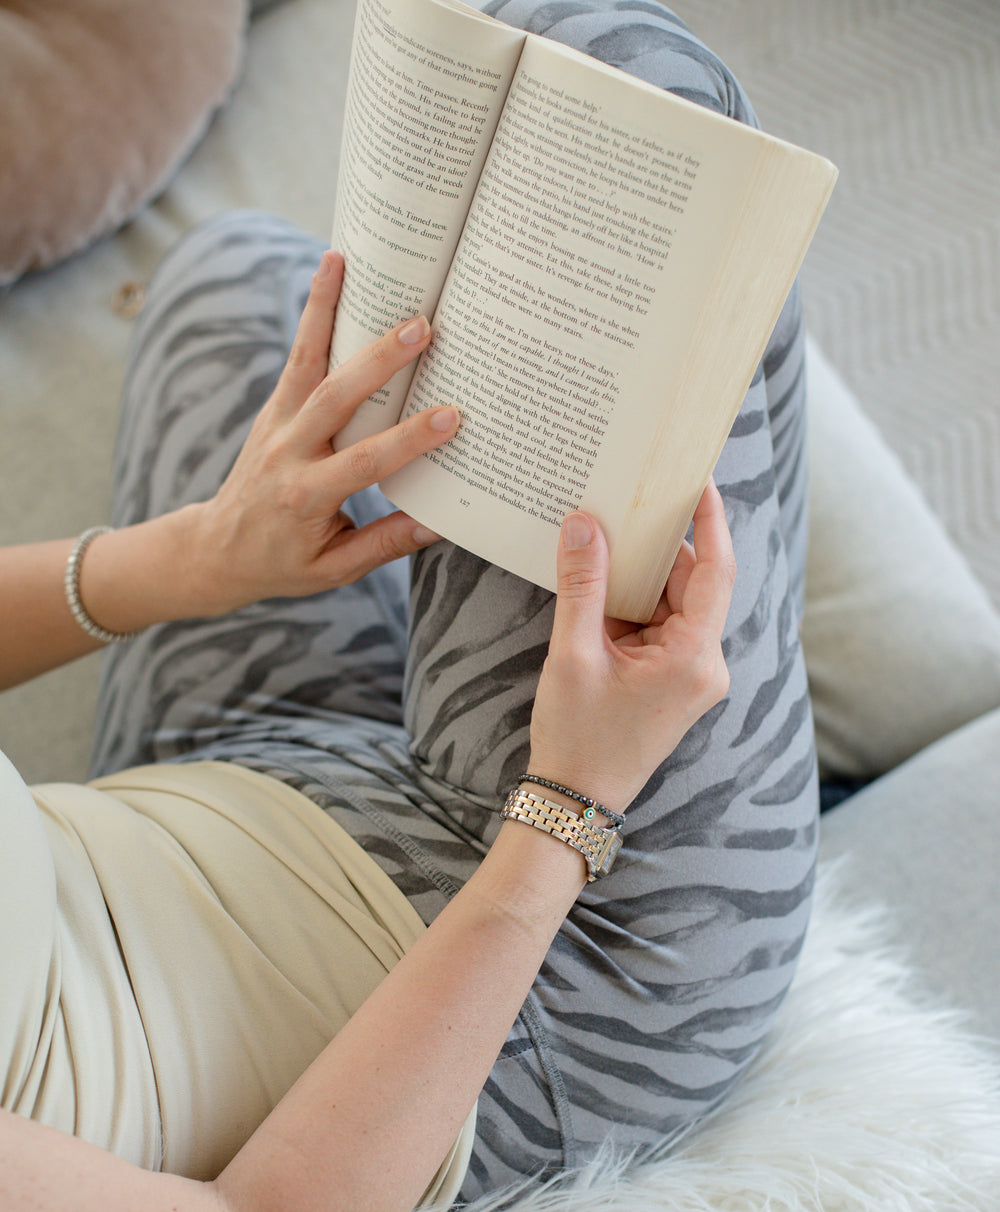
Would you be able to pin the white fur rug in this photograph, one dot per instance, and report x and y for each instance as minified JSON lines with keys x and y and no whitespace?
{"x":865,"y":1099}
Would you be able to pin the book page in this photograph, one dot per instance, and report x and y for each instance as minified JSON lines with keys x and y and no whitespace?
{"x":603,"y":215}
{"x":426,"y":88}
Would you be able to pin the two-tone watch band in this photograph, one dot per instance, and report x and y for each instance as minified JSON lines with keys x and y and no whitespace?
{"x":598,"y":845}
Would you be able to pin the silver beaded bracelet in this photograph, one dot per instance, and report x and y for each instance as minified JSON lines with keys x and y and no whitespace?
{"x":591,"y":806}
{"x":71,"y":583}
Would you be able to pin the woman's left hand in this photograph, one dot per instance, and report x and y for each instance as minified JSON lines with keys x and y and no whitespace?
{"x":615,"y":698}
{"x":276,"y":527}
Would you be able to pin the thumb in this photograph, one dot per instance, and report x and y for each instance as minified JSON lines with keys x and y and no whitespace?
{"x":582,"y":581}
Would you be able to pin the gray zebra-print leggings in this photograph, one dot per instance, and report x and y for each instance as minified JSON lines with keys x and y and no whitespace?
{"x":404,"y":711}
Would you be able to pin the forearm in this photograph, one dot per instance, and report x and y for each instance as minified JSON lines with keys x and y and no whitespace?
{"x":44,"y":1170}
{"x":129,"y":579}
{"x":378,"y":1111}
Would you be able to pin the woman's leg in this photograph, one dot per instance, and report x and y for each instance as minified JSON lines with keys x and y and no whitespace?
{"x":208,"y":349}
{"x":665,"y":979}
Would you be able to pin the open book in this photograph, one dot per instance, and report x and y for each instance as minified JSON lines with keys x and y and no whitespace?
{"x":603,"y":261}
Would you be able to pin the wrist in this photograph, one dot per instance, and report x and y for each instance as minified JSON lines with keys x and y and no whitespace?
{"x":71,"y":587}
{"x":531,"y":877}
{"x":152,"y":572}
{"x":605,"y":792}
{"x":584,"y":831}
{"x":214,"y":571}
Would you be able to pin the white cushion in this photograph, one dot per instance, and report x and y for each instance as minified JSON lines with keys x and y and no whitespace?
{"x":925,"y":840}
{"x":902,"y":642}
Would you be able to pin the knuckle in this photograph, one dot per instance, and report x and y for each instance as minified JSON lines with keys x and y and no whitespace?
{"x":379,"y":359}
{"x":703,"y":677}
{"x":293,"y":496}
{"x":330,"y":391}
{"x":727,"y":569}
{"x":570,"y":669}
{"x":304,"y":356}
{"x":720,"y":684}
{"x":390,"y":546}
{"x":363,"y":462}
{"x":712,"y":679}
{"x":579,"y":582}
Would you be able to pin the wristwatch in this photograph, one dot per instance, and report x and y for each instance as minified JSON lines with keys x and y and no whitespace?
{"x":598,"y":844}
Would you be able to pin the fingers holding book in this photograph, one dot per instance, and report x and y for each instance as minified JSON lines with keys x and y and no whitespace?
{"x":615,"y":698}
{"x":308,"y":359}
{"x":276,"y":527}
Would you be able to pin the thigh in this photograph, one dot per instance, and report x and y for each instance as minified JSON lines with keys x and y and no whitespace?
{"x":209,"y":346}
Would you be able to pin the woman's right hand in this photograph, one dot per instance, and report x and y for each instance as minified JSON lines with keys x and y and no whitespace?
{"x":615,"y":698}
{"x":276,"y":526}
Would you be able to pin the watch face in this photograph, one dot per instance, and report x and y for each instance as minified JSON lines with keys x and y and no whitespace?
{"x":607,"y":857}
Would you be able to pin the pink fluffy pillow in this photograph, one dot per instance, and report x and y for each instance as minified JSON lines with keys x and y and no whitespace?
{"x":101,"y":100}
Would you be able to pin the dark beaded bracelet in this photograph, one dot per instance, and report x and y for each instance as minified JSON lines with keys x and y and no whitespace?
{"x":592,"y":806}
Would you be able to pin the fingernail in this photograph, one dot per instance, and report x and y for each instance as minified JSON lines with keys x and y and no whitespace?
{"x":577,"y":531}
{"x":423,"y":536}
{"x":444,"y":420}
{"x":324,"y":266}
{"x":414,"y":332}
